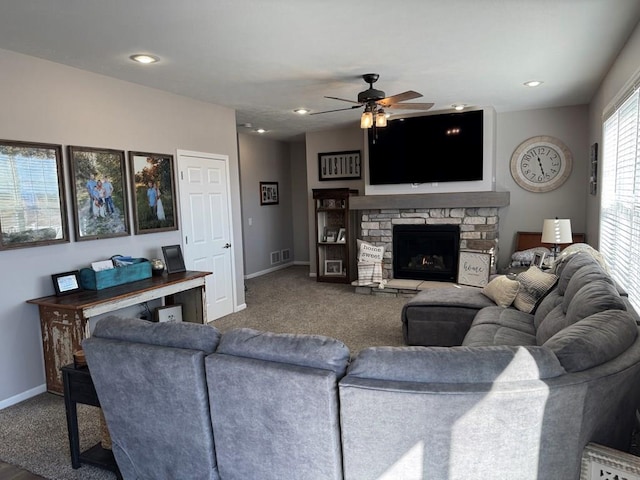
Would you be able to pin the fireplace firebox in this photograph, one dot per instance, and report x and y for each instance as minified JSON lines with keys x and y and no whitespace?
{"x":426,"y":252}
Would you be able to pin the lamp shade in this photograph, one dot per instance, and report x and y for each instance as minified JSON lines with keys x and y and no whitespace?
{"x":366,"y":120}
{"x":557,"y":230}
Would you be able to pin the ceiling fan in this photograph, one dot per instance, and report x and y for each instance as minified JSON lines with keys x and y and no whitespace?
{"x":375,"y":101}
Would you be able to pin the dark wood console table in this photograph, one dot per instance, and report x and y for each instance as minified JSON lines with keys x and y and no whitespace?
{"x":78,"y":388}
{"x":64,"y":320}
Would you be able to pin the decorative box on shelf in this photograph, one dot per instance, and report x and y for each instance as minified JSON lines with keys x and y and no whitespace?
{"x":138,"y":270}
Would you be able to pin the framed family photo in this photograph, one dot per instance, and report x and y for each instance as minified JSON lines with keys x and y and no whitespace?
{"x":99,"y":193}
{"x":32,"y":199}
{"x":154,"y":192}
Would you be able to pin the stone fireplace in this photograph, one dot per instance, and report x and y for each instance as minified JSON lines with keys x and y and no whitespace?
{"x":475,"y":215}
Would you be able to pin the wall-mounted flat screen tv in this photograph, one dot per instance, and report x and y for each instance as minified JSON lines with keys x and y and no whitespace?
{"x":426,"y":149}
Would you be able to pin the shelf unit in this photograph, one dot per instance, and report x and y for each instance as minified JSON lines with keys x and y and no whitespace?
{"x":335,"y":235}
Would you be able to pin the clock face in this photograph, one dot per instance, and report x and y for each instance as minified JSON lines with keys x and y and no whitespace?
{"x":541,"y":164}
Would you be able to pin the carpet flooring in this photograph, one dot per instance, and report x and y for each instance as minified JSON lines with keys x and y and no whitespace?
{"x":33,"y":433}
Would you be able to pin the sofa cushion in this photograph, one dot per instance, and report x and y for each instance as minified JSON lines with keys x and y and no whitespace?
{"x":584,"y":276}
{"x":567,"y":266}
{"x":491,"y":334}
{"x":169,"y":334}
{"x":546,"y":305}
{"x":593,"y":340}
{"x":456,"y":364}
{"x":505,"y":317}
{"x":314,"y":351}
{"x":502,"y":290}
{"x":534,"y":284}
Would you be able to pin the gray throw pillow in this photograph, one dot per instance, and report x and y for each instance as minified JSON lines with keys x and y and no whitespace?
{"x":534,"y":284}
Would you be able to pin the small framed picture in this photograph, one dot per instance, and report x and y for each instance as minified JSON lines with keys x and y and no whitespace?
{"x":330,"y":234}
{"x":66,"y":283}
{"x":269,"y":193}
{"x":342,"y":236}
{"x":474,"y":268}
{"x":538,"y":259}
{"x":173,"y":258}
{"x":333,"y":267}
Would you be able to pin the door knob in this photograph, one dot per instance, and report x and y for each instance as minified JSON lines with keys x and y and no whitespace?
{"x":228,"y":245}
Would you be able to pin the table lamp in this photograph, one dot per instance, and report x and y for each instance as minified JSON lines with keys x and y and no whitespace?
{"x":556,"y":231}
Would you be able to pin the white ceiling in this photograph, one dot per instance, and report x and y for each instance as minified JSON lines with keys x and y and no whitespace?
{"x":265,"y":58}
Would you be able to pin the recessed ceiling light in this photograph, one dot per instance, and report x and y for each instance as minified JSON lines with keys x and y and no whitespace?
{"x":261,"y":130}
{"x":458,"y":106}
{"x":533,"y":83}
{"x":144,"y":58}
{"x":301,"y":111}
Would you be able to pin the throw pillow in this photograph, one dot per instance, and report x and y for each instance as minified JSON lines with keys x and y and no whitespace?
{"x":502,"y":290}
{"x":369,"y":253}
{"x":534,"y":284}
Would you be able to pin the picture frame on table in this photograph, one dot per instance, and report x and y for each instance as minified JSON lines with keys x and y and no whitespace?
{"x":340,"y":165}
{"x":66,"y":283}
{"x":269,"y":194}
{"x":173,"y":259}
{"x":474,"y":268}
{"x":99,"y":191}
{"x":342,"y":236}
{"x":153,"y":189}
{"x":330,"y":234}
{"x":332,"y":268}
{"x":538,"y":259}
{"x":33,"y":209}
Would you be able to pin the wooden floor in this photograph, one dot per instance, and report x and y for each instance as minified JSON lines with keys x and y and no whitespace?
{"x":9,"y":472}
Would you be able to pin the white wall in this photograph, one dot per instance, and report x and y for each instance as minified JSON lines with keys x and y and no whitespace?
{"x":47,"y":102}
{"x":625,"y":68}
{"x":267,"y":228}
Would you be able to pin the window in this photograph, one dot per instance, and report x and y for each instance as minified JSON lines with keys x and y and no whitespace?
{"x":620,"y":202}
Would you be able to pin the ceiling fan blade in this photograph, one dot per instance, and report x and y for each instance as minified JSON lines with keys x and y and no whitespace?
{"x":336,"y":110}
{"x":343,"y":100}
{"x":410,"y":106}
{"x":400,"y":97}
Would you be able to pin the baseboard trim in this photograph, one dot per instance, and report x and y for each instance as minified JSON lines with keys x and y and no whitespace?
{"x":23,"y":396}
{"x":240,"y":307}
{"x":268,"y":270}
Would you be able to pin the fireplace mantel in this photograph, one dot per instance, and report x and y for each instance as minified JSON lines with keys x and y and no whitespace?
{"x":430,"y":200}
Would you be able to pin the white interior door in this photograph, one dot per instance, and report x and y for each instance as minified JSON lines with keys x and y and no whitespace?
{"x":206,"y":225}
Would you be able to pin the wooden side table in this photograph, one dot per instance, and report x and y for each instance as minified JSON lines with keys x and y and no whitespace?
{"x":78,"y":388}
{"x":64,"y":321}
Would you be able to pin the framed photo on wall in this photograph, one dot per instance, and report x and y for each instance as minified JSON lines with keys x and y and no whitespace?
{"x":269,"y":193}
{"x":32,"y":199}
{"x":154,"y":193}
{"x":474,"y":268}
{"x":339,"y":165}
{"x":99,"y":193}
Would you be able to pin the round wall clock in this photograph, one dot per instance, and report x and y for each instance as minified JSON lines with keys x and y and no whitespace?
{"x":541,"y":164}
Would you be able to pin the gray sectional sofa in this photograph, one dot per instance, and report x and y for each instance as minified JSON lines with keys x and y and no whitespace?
{"x":519,"y":399}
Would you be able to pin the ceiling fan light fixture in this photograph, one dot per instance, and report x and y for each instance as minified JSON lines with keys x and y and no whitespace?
{"x":366,"y":120}
{"x":381,"y":118}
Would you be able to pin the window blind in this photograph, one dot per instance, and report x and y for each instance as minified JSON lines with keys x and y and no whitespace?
{"x":620,"y":200}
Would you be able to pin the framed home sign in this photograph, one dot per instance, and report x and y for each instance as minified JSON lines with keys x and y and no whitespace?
{"x":32,"y":200}
{"x":474,"y":268}
{"x":99,"y":192}
{"x":340,"y":165}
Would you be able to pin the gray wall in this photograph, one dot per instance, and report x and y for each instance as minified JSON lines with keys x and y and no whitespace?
{"x":625,"y":68}
{"x":299,"y":203}
{"x":267,"y":228}
{"x":47,"y":102}
{"x":335,"y":140}
{"x":527,"y":210}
